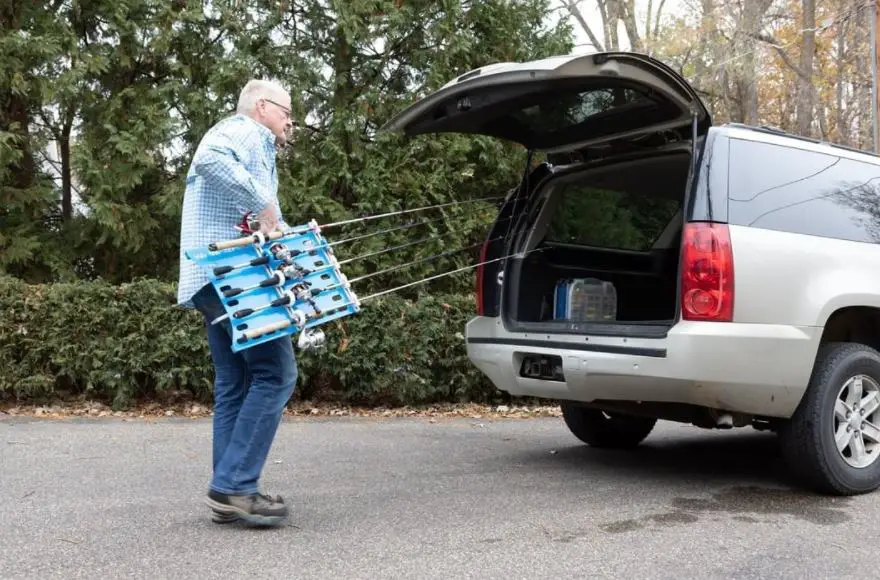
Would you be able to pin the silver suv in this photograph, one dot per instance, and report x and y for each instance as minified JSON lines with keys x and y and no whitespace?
{"x":654,"y":266}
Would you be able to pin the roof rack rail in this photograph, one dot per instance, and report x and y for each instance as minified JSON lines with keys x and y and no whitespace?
{"x":778,"y":131}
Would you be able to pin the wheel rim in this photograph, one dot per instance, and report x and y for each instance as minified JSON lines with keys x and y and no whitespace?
{"x":856,"y":420}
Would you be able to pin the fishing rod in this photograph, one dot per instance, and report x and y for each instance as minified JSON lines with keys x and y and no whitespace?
{"x":306,"y":293}
{"x":279,"y":277}
{"x":292,"y":270}
{"x":260,"y":238}
{"x":287,"y":254}
{"x":281,"y":325}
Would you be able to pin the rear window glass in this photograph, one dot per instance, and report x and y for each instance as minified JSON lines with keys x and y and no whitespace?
{"x":565,"y":110}
{"x":549,"y":115}
{"x":604,"y":218}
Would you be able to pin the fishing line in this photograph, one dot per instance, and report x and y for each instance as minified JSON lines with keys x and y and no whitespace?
{"x":399,"y":228}
{"x":456,"y":271}
{"x":317,"y":291}
{"x":292,"y":270}
{"x":419,"y":261}
{"x":406,"y":211}
{"x":261,"y":238}
{"x":388,"y":231}
{"x":395,"y":248}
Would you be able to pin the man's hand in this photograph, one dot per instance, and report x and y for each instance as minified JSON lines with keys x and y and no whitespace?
{"x":268,"y":219}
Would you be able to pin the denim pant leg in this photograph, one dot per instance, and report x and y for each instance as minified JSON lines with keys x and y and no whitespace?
{"x":273,"y":373}
{"x":231,"y":377}
{"x":271,"y":368}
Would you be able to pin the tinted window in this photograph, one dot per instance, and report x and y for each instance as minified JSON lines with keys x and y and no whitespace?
{"x":609,"y":219}
{"x":805,"y":192}
{"x":565,"y":110}
{"x":545,"y":115}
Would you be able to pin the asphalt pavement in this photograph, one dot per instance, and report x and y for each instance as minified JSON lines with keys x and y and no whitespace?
{"x":407,"y":498}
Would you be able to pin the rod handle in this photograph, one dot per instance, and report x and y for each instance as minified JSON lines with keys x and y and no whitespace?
{"x":258,"y":238}
{"x":220,"y":270}
{"x":242,"y":313}
{"x":269,"y":328}
{"x":275,"y":280}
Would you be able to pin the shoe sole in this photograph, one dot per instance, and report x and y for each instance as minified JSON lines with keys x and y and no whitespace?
{"x":228,"y":511}
{"x":224,"y":518}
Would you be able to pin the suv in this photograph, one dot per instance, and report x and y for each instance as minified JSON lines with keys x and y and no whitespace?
{"x":658,"y":267}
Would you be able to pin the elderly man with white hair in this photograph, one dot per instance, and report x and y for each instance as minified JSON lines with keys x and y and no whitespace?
{"x":233,"y":172}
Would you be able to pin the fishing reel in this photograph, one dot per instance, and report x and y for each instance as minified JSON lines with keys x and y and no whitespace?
{"x":281,"y":252}
{"x":248,"y":225}
{"x":311,"y":339}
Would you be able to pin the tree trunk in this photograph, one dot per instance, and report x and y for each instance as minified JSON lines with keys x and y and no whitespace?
{"x":627,"y":11}
{"x":750,"y":28}
{"x":805,"y":88}
{"x":610,"y":13}
{"x":14,"y":115}
{"x":704,"y":77}
{"x":66,"y":197}
{"x":343,"y":60}
{"x":842,"y":121}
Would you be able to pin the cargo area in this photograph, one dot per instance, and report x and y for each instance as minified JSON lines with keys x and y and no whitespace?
{"x":602,"y":249}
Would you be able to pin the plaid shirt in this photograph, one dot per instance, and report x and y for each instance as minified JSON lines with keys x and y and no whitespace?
{"x":232,"y":172}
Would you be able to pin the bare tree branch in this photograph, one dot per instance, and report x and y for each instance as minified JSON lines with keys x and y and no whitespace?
{"x":574,"y":10}
{"x":770,"y":41}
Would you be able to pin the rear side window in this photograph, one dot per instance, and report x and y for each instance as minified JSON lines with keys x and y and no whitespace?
{"x":604,"y":218}
{"x":805,"y":192}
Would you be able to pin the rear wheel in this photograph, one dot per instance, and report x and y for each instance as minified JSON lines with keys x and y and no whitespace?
{"x":598,"y":428}
{"x":832,"y":443}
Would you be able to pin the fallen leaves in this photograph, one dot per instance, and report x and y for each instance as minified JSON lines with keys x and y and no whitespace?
{"x":297,"y":409}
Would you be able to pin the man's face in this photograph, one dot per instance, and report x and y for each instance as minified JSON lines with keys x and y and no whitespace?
{"x":274,"y":113}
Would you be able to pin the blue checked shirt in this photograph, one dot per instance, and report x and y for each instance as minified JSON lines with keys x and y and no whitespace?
{"x":232,"y":173}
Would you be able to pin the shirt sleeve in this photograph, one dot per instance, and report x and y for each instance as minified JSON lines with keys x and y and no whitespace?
{"x":224,"y":164}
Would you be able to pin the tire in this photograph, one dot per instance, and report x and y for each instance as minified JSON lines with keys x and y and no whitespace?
{"x":604,"y":430}
{"x":808,"y":439}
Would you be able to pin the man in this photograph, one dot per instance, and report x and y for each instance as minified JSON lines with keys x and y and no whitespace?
{"x":233,"y":172}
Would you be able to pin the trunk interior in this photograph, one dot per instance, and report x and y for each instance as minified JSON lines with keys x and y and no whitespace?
{"x":613,"y":229}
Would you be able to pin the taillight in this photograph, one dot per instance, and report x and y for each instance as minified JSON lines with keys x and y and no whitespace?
{"x":706,"y":273}
{"x":480,"y":268}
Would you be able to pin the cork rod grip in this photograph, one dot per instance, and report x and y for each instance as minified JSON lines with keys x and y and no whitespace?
{"x":246,"y":241}
{"x":257,"y":333}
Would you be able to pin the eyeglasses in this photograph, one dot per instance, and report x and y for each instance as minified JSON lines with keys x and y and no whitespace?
{"x":282,"y":107}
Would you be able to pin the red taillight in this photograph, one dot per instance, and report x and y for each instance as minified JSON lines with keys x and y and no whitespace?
{"x":480,"y":268}
{"x":706,"y":273}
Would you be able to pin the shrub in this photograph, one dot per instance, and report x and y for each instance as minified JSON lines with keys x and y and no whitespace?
{"x":127,"y":343}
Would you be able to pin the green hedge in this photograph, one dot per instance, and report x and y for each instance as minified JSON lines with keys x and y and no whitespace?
{"x":130,"y":343}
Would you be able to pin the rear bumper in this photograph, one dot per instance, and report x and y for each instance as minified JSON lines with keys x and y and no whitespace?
{"x":748,"y":368}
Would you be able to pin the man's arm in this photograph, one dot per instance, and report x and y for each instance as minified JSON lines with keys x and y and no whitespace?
{"x":222,"y":164}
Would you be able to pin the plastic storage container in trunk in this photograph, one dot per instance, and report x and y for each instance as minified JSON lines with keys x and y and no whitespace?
{"x":585,"y":300}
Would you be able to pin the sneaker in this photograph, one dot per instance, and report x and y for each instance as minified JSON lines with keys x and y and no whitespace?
{"x":259,"y":509}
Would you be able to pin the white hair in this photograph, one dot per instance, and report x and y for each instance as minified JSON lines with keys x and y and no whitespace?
{"x":255,"y":90}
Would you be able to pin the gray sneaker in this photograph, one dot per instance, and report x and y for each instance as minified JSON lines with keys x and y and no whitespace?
{"x":259,"y":509}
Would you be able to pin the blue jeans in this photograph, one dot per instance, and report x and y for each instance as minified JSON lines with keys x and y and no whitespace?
{"x":251,"y":389}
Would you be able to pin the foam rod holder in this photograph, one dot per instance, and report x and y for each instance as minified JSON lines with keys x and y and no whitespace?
{"x":275,"y":286}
